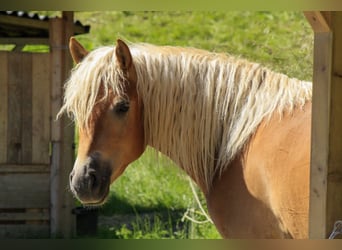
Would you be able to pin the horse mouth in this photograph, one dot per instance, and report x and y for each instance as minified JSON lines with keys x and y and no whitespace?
{"x":89,"y":198}
{"x":96,"y":203}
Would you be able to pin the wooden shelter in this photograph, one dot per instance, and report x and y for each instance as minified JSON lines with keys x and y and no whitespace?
{"x":36,"y":151}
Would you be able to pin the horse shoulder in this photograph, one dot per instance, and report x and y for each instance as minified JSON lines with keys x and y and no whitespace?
{"x":276,"y":168}
{"x":264,"y":192}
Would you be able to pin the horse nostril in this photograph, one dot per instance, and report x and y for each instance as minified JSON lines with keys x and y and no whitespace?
{"x":93,"y":182}
{"x":90,"y":181}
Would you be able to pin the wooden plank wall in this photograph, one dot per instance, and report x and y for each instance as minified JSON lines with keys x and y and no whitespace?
{"x":36,"y":152}
{"x":24,"y":190}
{"x":24,"y":144}
{"x":24,"y":108}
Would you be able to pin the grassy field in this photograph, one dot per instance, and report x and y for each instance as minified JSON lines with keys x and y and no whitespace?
{"x":280,"y":40}
{"x":151,"y":197}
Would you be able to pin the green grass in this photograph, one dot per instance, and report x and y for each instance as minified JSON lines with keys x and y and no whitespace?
{"x":282,"y":41}
{"x":153,"y":186}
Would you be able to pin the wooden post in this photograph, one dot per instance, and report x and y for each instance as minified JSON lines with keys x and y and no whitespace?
{"x":3,"y":106}
{"x":326,"y":151}
{"x":334,"y":174}
{"x":62,"y":130}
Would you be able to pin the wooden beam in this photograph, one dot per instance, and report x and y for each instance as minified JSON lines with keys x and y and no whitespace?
{"x":319,"y":20}
{"x":326,"y":154}
{"x":24,"y":22}
{"x":334,"y":174}
{"x":24,"y":40}
{"x":40,"y":215}
{"x":24,"y":231}
{"x":3,"y":105}
{"x":62,"y":130}
{"x":24,"y":168}
{"x":320,"y":133}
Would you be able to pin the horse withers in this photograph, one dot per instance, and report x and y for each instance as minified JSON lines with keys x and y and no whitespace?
{"x":239,"y":130}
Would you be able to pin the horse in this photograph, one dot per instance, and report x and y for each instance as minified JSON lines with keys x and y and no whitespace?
{"x":240,"y":130}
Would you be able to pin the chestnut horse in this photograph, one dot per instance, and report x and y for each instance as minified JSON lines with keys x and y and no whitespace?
{"x":239,"y":130}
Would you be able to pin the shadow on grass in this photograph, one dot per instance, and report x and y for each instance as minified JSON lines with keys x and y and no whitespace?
{"x":120,"y":219}
{"x":117,"y":205}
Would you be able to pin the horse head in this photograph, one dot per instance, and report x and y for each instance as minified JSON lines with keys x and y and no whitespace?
{"x":114,"y":135}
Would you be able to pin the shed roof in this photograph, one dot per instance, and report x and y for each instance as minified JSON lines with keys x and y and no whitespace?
{"x":34,"y":28}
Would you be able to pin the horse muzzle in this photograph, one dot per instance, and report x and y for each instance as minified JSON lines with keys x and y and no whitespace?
{"x":90,"y":181}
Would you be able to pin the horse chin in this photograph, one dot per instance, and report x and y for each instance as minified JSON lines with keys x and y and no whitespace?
{"x":97,"y":203}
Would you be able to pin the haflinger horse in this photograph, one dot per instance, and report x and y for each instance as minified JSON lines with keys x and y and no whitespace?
{"x":238,"y":129}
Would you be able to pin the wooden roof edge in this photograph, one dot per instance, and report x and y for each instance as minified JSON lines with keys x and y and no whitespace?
{"x":27,"y":20}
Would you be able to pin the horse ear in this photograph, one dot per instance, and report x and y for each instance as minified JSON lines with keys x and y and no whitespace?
{"x":76,"y":50}
{"x":123,"y":55}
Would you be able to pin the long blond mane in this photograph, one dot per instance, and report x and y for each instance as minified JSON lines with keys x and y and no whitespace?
{"x":200,"y":108}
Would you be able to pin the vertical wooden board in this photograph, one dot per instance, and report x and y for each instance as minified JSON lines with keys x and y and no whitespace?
{"x":41,"y":108}
{"x":62,"y":221}
{"x":69,"y":129}
{"x":56,"y":40}
{"x":15,"y":73}
{"x":319,"y":136}
{"x":3,"y":105}
{"x":26,"y":108}
{"x":337,"y":53}
{"x":57,"y":211}
{"x":334,"y":178}
{"x":334,"y":173}
{"x":326,"y":157}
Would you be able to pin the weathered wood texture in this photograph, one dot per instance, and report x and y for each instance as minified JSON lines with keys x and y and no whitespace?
{"x":29,"y":216}
{"x":320,"y":133}
{"x":334,"y":174}
{"x":3,"y":105}
{"x":62,"y":130}
{"x":36,"y":151}
{"x":319,"y":20}
{"x":326,"y":153}
{"x":24,"y":231}
{"x":24,"y":108}
{"x":41,"y":109}
{"x":24,"y":190}
{"x":24,"y":207}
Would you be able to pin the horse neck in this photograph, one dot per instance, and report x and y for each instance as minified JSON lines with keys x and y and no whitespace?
{"x":201,"y":113}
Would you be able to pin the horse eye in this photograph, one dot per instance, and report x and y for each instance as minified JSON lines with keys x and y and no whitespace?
{"x":121,"y":107}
